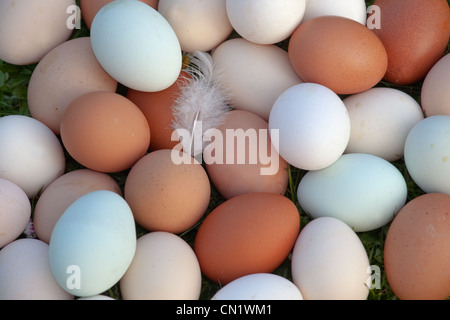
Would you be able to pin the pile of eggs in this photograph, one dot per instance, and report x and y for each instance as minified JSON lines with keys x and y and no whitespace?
{"x":91,"y":198}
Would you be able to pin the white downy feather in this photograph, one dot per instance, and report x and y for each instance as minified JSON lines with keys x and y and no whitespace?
{"x":201,"y":105}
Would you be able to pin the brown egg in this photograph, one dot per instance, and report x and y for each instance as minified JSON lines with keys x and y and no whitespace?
{"x":435,"y":96}
{"x":416,"y":252}
{"x":339,"y":53}
{"x":415,"y":34}
{"x":62,"y":192}
{"x":250,"y":233}
{"x":157,"y":108}
{"x":165,"y":195}
{"x":64,"y":74}
{"x":105,"y":131}
{"x":90,"y":8}
{"x":250,"y":138}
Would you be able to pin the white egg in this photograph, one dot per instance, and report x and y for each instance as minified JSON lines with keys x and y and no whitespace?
{"x":352,"y":9}
{"x":25,"y":272}
{"x":265,"y":21}
{"x":362,"y":190}
{"x":93,"y":243}
{"x":31,"y":156}
{"x":381,"y":119}
{"x":253,"y":74}
{"x":259,"y":286}
{"x":165,"y":267}
{"x":313,"y":126}
{"x":136,"y":45}
{"x":329,"y":262}
{"x":427,"y":154}
{"x":199,"y":25}
{"x":97,"y":297}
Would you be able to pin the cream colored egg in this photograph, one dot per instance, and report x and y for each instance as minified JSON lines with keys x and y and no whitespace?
{"x":265,"y":21}
{"x":435,"y":96}
{"x":329,"y":262}
{"x":15,"y":211}
{"x":25,"y":272}
{"x":254,"y":74}
{"x":352,"y":9}
{"x":164,"y":267}
{"x":64,"y":74}
{"x":199,"y":25}
{"x":31,"y":28}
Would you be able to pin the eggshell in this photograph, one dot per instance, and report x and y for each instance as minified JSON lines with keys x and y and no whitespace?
{"x":97,"y":297}
{"x":416,"y":254}
{"x":313,"y":126}
{"x":329,"y":262}
{"x":339,"y":53}
{"x":15,"y":211}
{"x":259,"y":286}
{"x":435,"y":94}
{"x":31,"y":28}
{"x":249,"y":233}
{"x":25,"y":272}
{"x":31,"y":156}
{"x":351,"y":9}
{"x":90,"y":8}
{"x":415,"y":34}
{"x":142,"y":52}
{"x":157,"y":108}
{"x":105,"y":131}
{"x":62,"y":192}
{"x":427,"y":154}
{"x":164,"y":268}
{"x":199,"y":26}
{"x":62,"y":75}
{"x":381,"y":119}
{"x":165,"y":195}
{"x":254,"y":75}
{"x":93,"y":243}
{"x":265,"y":21}
{"x":365,"y":199}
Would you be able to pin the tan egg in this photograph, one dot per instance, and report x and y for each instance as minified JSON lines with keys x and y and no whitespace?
{"x":165,"y":195}
{"x":64,"y":74}
{"x":255,"y":166}
{"x":435,"y":95}
{"x":31,"y":28}
{"x":62,"y":192}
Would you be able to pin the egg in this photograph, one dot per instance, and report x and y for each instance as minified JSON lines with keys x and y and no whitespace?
{"x":339,"y":53}
{"x":351,"y":9}
{"x":31,"y":156}
{"x":30,"y":29}
{"x":97,"y":297}
{"x":427,"y":154}
{"x":199,"y":26}
{"x":254,"y":75}
{"x":65,"y":73}
{"x":93,"y":243}
{"x":164,"y":268}
{"x":381,"y":119}
{"x":415,"y":34}
{"x":104,"y":131}
{"x":313,"y":126}
{"x":249,"y":233}
{"x":416,"y":255}
{"x":62,"y":192}
{"x":90,"y":8}
{"x":25,"y":272}
{"x":165,"y":195}
{"x":435,"y":96}
{"x":329,"y":262}
{"x":259,"y":286}
{"x":157,"y":108}
{"x":364,"y":199}
{"x":255,"y":167}
{"x":265,"y":22}
{"x":15,"y":211}
{"x":142,"y":52}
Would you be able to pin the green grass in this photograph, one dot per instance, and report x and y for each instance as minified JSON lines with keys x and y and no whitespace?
{"x":13,"y":100}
